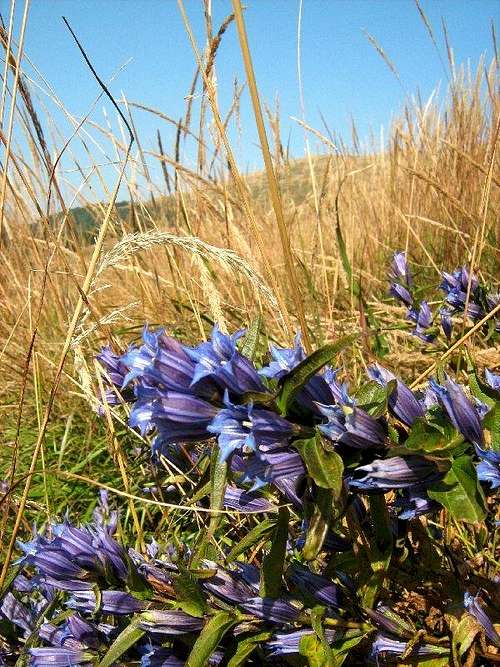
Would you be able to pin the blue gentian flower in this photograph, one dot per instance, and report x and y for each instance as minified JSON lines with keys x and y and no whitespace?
{"x":413,"y":502}
{"x":400,"y":270}
{"x":245,"y":428}
{"x":472,"y":604}
{"x":160,"y":361}
{"x":492,"y":301}
{"x":269,"y":609}
{"x":352,"y":426}
{"x":174,"y":416}
{"x":250,"y":574}
{"x":219,"y":359}
{"x":75,"y":558}
{"x":401,"y":280}
{"x":16,"y":612}
{"x":339,"y":390}
{"x":103,"y":516}
{"x":246,"y":502}
{"x":385,"y":619}
{"x":394,"y":473}
{"x":115,"y":372}
{"x":402,"y":402}
{"x":290,"y":487}
{"x":462,"y":413}
{"x":157,"y":656}
{"x":400,"y":293}
{"x":170,"y":623}
{"x":319,"y":587}
{"x":423,"y":320}
{"x":493,"y":379}
{"x":455,"y":286}
{"x":269,"y":467}
{"x":61,"y":636}
{"x":384,"y":646}
{"x":111,"y":602}
{"x":286,"y":643}
{"x":488,"y":469}
{"x":446,"y":322}
{"x":284,"y":360}
{"x":65,"y":657}
{"x":228,"y":587}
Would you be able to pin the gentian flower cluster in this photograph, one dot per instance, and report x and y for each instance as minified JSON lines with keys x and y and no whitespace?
{"x":461,"y":288}
{"x":401,"y":288}
{"x":327,"y":480}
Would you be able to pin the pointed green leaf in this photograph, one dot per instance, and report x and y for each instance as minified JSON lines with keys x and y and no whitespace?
{"x":218,"y":474}
{"x":380,"y":548}
{"x":272,"y":565}
{"x":342,"y":645}
{"x":438,"y":437}
{"x":209,"y":638}
{"x":318,"y":523}
{"x":251,"y":340}
{"x":260,"y":531}
{"x":122,"y":643}
{"x":325,"y":467}
{"x":373,"y":398}
{"x":293,"y":382}
{"x":246,"y":646}
{"x":464,"y":635}
{"x":491,"y":423}
{"x":482,"y":391}
{"x":188,"y":594}
{"x":311,"y":648}
{"x":317,"y":615}
{"x":459,"y":491}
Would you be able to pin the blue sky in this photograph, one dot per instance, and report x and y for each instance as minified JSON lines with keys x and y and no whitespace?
{"x":343,"y":76}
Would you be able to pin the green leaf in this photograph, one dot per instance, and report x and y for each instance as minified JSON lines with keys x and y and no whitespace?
{"x":218,"y":474}
{"x":136,"y":584}
{"x":246,"y":646}
{"x":259,"y":398}
{"x":293,"y":382}
{"x":317,"y":615}
{"x":251,"y":340}
{"x":437,"y":436}
{"x":491,"y":423}
{"x":373,"y":398}
{"x":188,"y":594}
{"x":272,"y":565}
{"x":325,"y":467}
{"x":209,"y":638}
{"x":381,"y":546}
{"x":460,"y":492}
{"x":342,"y":645}
{"x":464,"y":635}
{"x":318,"y":523}
{"x":311,"y":647}
{"x":483,"y":391}
{"x":203,"y":491}
{"x":260,"y":531}
{"x":122,"y":643}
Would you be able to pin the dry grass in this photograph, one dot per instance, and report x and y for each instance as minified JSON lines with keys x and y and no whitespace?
{"x":202,"y":245}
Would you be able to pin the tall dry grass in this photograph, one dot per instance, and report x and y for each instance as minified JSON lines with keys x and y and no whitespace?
{"x":202,"y":245}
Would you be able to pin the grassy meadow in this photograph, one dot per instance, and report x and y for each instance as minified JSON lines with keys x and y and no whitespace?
{"x":208,"y":244}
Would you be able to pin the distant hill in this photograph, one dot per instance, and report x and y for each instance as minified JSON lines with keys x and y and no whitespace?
{"x":294,"y":178}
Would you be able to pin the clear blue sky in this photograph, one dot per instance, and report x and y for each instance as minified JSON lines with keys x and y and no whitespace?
{"x":343,"y":76}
